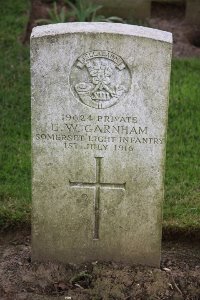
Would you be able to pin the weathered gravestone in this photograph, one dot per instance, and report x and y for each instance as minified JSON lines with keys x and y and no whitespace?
{"x":99,"y":117}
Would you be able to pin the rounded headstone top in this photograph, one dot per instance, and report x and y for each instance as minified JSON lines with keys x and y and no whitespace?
{"x":100,"y":27}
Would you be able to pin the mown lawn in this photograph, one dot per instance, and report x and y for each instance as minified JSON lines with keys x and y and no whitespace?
{"x":15,"y":166}
{"x":182,"y":182}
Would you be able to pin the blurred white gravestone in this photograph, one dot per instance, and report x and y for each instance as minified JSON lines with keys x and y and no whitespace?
{"x":99,"y":117}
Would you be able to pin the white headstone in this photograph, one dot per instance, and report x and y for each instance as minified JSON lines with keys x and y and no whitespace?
{"x":99,"y":118}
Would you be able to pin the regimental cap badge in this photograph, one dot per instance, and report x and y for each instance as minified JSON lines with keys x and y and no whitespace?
{"x":100,"y":78}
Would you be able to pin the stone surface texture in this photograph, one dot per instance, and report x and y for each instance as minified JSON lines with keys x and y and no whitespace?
{"x":99,"y":118}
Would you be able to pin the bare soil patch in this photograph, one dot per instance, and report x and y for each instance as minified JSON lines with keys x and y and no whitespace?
{"x":21,"y":279}
{"x":186,"y":37}
{"x":167,"y":17}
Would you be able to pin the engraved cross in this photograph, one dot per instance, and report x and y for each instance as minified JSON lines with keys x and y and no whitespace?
{"x":97,"y":185}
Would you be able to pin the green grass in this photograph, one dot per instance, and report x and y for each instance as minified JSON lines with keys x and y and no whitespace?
{"x":182,"y":182}
{"x":15,"y":115}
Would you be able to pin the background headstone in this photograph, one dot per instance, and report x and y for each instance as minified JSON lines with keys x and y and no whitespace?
{"x":140,"y":9}
{"x":193,"y":11}
{"x":99,"y":117}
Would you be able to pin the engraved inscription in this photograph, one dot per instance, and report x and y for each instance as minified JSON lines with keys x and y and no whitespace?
{"x":99,"y":132}
{"x":97,"y":185}
{"x":100,"y":79}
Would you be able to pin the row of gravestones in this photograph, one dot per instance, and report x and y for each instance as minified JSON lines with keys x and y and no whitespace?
{"x":142,"y":8}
